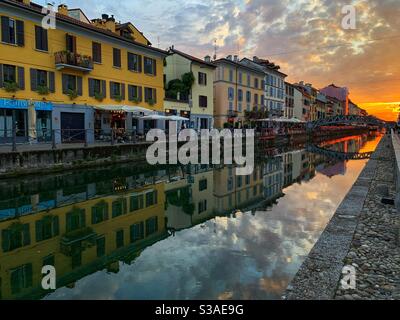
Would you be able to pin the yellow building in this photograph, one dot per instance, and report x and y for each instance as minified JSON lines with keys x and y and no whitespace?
{"x":197,"y":104}
{"x":79,"y":239}
{"x":237,"y":89}
{"x":233,"y":192}
{"x":52,"y":79}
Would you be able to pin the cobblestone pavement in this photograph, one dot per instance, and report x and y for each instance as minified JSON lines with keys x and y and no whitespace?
{"x":363,"y":233}
{"x":375,"y":248}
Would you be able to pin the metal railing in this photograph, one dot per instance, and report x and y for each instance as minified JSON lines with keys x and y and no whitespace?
{"x":33,"y":139}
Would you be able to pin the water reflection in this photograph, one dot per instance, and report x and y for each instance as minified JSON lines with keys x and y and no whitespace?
{"x":194,"y":232}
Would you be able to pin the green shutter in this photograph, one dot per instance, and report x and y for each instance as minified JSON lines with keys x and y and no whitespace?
{"x":65,"y":83}
{"x":28,"y":275}
{"x":56,"y":226}
{"x":140,"y":93}
{"x":33,"y":79}
{"x":104,"y":88}
{"x":21,"y":78}
{"x":1,"y":76}
{"x":39,"y":230}
{"x":20,"y":33}
{"x":5,"y":240}
{"x":27,"y":234}
{"x":79,"y":85}
{"x":52,"y":86}
{"x":5,"y":35}
{"x":91,"y":87}
{"x":123,"y":91}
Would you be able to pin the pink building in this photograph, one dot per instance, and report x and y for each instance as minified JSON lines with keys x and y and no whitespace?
{"x":340,"y":93}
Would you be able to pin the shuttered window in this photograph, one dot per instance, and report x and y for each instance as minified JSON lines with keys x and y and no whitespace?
{"x":21,"y":278}
{"x":137,"y":232}
{"x":41,"y":39}
{"x":202,"y":78}
{"x":117,"y":90}
{"x":116,"y":58}
{"x":203,"y":101}
{"x":119,"y":207}
{"x":151,"y":226}
{"x":42,"y":78}
{"x":97,"y":88}
{"x":150,"y":95}
{"x":70,"y":43}
{"x":134,"y":62}
{"x":17,"y":236}
{"x":12,"y":31}
{"x":76,"y":219}
{"x":137,"y":202}
{"x":47,"y":228}
{"x":150,"y":66}
{"x":134,"y":93}
{"x":119,"y":238}
{"x":100,"y":212}
{"x":72,"y":83}
{"x":96,"y":47}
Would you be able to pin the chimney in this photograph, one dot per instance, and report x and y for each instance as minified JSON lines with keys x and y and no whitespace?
{"x":28,"y":2}
{"x":229,"y":57}
{"x":207,"y":59}
{"x":110,"y":23}
{"x":255,"y":59}
{"x":236,"y":58}
{"x":63,"y":9}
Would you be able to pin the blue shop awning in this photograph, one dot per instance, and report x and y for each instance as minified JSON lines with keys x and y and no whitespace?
{"x":13,"y":104}
{"x":43,"y":106}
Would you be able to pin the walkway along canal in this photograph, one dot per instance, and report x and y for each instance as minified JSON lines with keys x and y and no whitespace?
{"x":363,"y":234}
{"x":194,"y":232}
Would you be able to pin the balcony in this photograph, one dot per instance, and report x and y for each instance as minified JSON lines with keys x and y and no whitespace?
{"x":74,"y":61}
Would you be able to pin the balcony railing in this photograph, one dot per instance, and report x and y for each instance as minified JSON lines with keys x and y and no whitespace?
{"x":75,"y":61}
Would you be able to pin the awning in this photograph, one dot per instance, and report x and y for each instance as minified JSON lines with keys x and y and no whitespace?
{"x":43,"y":106}
{"x":123,"y":108}
{"x":281,"y":120}
{"x":177,"y":118}
{"x":13,"y":104}
{"x":155,"y":117}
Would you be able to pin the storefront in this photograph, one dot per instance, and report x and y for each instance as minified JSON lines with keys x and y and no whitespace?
{"x":43,"y":126}
{"x":13,"y":115}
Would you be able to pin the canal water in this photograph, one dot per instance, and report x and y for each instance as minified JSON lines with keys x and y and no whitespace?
{"x":134,"y":231}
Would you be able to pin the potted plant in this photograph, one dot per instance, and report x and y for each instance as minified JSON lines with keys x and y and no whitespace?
{"x":135,"y":100}
{"x":43,"y":90}
{"x":98,"y":96}
{"x":151,"y":102}
{"x":72,"y":94}
{"x":118,"y":98}
{"x":11,"y":86}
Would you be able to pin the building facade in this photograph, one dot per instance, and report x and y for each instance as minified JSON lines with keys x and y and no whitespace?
{"x":200,"y":95}
{"x":53,"y":79}
{"x":273,"y":84}
{"x":238,"y":90}
{"x":340,"y":93}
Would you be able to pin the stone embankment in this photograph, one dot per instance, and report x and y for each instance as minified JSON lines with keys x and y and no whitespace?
{"x":363,"y":234}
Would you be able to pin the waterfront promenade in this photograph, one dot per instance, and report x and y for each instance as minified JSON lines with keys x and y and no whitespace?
{"x":364,"y":234}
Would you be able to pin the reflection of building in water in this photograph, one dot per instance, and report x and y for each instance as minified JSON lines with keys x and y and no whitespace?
{"x":79,"y":239}
{"x":189,"y":199}
{"x":273,"y":176}
{"x":236,"y":192}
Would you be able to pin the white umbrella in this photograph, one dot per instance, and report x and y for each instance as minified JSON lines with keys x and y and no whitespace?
{"x":154,"y":117}
{"x":177,"y":118}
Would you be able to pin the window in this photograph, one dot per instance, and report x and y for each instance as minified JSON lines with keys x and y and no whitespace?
{"x":70,"y":83}
{"x":151,"y":198}
{"x":41,"y":40}
{"x":76,"y":219}
{"x":255,"y":99}
{"x":248,"y":80}
{"x":115,"y":89}
{"x":202,"y":207}
{"x":119,"y":207}
{"x":70,"y":43}
{"x":134,"y":93}
{"x":21,"y":278}
{"x":150,"y":66}
{"x":9,"y":73}
{"x":203,"y":101}
{"x":14,"y":238}
{"x":239,"y":181}
{"x":137,"y":202}
{"x":240,"y":94}
{"x":96,"y":51}
{"x":202,"y":79}
{"x":137,"y":232}
{"x":47,"y":228}
{"x":151,"y":226}
{"x":248,"y":96}
{"x":150,"y":95}
{"x":119,"y":238}
{"x":240,"y":78}
{"x":134,"y":62}
{"x":41,"y":78}
{"x":247,"y":180}
{"x":12,"y":31}
{"x":231,"y":93}
{"x":230,"y":75}
{"x":203,"y":185}
{"x":116,"y":58}
{"x":100,"y":212}
{"x":256,"y":83}
{"x":101,"y":247}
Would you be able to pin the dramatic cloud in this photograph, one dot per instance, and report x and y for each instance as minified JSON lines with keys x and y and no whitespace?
{"x":304,"y":37}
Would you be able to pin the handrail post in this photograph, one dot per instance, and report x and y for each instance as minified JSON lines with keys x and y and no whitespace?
{"x":53,"y":139}
{"x":86,"y":138}
{"x":14,"y":138}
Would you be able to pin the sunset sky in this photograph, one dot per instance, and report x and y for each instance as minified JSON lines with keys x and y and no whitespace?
{"x":304,"y":37}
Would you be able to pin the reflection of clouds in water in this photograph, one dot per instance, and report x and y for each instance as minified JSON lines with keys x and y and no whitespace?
{"x":249,"y":257}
